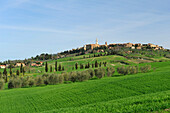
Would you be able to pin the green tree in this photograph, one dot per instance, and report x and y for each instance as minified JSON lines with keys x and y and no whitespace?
{"x":23,"y":71}
{"x":81,"y":66}
{"x":56,"y":66}
{"x":105,"y":64}
{"x":76,"y":66}
{"x":88,"y":65}
{"x":5,"y":74}
{"x":92,"y":65}
{"x":51,"y":68}
{"x":17,"y":72}
{"x":46,"y":67}
{"x":10,"y":71}
{"x":100,"y":64}
{"x":96,"y":64}
{"x":59,"y":67}
{"x":21,"y":68}
{"x":63,"y":68}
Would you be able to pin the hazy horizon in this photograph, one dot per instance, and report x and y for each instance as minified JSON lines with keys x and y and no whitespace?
{"x":32,"y":27}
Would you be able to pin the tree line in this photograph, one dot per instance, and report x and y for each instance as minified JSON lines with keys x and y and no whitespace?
{"x":75,"y":76}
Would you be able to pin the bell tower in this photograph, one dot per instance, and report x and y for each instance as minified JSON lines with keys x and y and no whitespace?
{"x":106,"y":43}
{"x":96,"y":41}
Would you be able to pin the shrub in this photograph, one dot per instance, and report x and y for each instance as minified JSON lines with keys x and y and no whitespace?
{"x":110,"y":71}
{"x":66,"y":77}
{"x":132,"y":69}
{"x":73,"y":77}
{"x":15,"y":83}
{"x":10,"y":84}
{"x":145,"y":68}
{"x":61,"y":79}
{"x":31,"y":82}
{"x":24,"y":82}
{"x":39,"y":80}
{"x":91,"y":72}
{"x":82,"y":76}
{"x":45,"y":75}
{"x":100,"y":72}
{"x":123,"y":70}
{"x":137,"y":69}
{"x":55,"y":79}
{"x":2,"y":84}
{"x":1,"y":75}
{"x":45,"y":81}
{"x":52,"y":79}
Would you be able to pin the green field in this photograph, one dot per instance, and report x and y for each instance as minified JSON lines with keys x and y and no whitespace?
{"x":112,"y":60}
{"x":142,"y":92}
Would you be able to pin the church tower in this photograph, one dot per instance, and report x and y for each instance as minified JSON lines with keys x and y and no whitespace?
{"x":106,"y":43}
{"x":96,"y":41}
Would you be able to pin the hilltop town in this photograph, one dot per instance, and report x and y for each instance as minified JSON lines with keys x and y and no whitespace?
{"x":127,"y":45}
{"x":88,"y":48}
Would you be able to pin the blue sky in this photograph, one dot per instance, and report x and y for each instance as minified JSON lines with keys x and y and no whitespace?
{"x":31,"y":27}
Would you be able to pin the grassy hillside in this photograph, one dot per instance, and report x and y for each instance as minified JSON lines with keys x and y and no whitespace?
{"x":69,"y":62}
{"x":143,"y":92}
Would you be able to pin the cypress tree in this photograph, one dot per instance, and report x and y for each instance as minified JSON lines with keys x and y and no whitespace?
{"x":100,"y":64}
{"x":81,"y":66}
{"x":96,"y":64}
{"x":105,"y":64}
{"x":59,"y":68}
{"x":56,"y":66}
{"x":88,"y":65}
{"x":17,"y":72}
{"x":23,"y":71}
{"x":63,"y":68}
{"x":51,"y":68}
{"x":46,"y":67}
{"x":5,"y":74}
{"x":92,"y":65}
{"x":10,"y":71}
{"x":21,"y":68}
{"x":76,"y":66}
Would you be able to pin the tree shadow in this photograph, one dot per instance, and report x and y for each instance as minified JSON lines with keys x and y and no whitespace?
{"x":118,"y":75}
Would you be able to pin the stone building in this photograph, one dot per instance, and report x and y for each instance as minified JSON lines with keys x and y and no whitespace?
{"x":91,"y":46}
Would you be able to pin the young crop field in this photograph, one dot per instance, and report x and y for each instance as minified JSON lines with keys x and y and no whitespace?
{"x":142,"y":92}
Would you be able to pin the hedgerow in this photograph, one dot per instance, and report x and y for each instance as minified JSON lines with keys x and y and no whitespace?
{"x":52,"y":79}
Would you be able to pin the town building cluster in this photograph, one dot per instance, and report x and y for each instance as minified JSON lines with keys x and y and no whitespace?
{"x":127,"y":45}
{"x":34,"y":64}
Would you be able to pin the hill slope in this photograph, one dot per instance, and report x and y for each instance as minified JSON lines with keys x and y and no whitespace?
{"x":132,"y":93}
